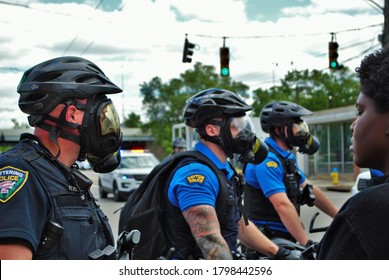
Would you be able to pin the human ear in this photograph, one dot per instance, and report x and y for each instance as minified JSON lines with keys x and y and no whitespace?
{"x":211,"y":130}
{"x":71,"y":114}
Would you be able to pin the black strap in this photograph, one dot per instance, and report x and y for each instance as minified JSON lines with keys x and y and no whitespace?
{"x":221,"y":201}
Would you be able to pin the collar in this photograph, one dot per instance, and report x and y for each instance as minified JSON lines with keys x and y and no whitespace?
{"x":225,"y":167}
{"x":271,"y":142}
{"x":31,"y":138}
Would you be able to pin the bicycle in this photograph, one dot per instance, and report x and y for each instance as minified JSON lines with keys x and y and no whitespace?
{"x":124,"y":247}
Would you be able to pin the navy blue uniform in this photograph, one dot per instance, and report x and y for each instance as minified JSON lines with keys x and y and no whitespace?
{"x":34,"y":191}
{"x":196,"y":184}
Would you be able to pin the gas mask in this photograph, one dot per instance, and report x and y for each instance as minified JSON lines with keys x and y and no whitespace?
{"x":299,"y":136}
{"x":101,"y":136}
{"x":311,"y":147}
{"x":244,"y":142}
{"x":256,"y":155}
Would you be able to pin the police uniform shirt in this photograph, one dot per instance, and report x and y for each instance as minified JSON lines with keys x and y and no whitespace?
{"x":27,"y":206}
{"x":23,"y":203}
{"x":195,"y":183}
{"x":268,"y":175}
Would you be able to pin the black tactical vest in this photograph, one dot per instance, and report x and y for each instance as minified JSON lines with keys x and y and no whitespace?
{"x":85,"y":227}
{"x":179,"y":232}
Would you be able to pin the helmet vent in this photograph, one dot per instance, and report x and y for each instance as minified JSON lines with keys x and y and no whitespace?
{"x":89,"y":79}
{"x":45,"y":77}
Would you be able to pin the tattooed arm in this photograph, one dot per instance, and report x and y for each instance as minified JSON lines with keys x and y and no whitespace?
{"x":202,"y":220}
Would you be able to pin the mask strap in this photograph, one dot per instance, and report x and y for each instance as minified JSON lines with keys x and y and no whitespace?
{"x":58,"y":129}
{"x":83,"y":128}
{"x":281,"y":134}
{"x":224,"y":130}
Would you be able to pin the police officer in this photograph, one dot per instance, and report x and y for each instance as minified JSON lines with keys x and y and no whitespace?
{"x":219,"y":117}
{"x":179,"y":145}
{"x":48,"y":211}
{"x":277,"y":187}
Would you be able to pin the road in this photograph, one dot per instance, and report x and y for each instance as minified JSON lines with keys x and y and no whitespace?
{"x":112,"y":208}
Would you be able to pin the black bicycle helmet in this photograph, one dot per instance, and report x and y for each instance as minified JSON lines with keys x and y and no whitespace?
{"x":278,"y":113}
{"x":212,"y":103}
{"x":49,"y":83}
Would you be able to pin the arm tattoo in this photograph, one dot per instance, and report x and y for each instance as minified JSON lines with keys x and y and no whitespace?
{"x":205,"y":229}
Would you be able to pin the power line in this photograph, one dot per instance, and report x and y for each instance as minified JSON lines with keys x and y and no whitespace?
{"x":288,"y":35}
{"x":13,"y":69}
{"x":75,"y":37}
{"x":376,"y":6}
{"x":33,"y":8}
{"x":14,"y":4}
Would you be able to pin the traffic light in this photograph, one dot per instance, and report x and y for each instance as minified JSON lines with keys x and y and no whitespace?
{"x":224,"y":61}
{"x":188,"y":51}
{"x":333,"y":55}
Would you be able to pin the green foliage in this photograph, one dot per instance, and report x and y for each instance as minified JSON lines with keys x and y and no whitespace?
{"x":18,"y":125}
{"x":133,"y":120}
{"x":4,"y":148}
{"x":164,"y":102}
{"x":314,"y":90}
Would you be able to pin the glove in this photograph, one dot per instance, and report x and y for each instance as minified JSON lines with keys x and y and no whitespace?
{"x":286,"y":254}
{"x":311,"y":243}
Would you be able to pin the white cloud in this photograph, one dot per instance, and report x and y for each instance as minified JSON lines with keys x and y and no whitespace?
{"x":145,"y":39}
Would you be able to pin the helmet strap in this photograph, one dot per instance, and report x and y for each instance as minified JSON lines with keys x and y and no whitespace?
{"x":218,"y":140}
{"x":280,"y":132}
{"x":56,"y":131}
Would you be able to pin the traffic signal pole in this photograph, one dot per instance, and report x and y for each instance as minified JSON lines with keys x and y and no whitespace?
{"x":385,"y":39}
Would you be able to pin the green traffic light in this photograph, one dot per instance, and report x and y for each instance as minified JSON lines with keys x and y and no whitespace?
{"x":334,"y":64}
{"x":225,"y":71}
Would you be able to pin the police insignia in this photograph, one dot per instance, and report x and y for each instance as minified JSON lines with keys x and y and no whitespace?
{"x":272,"y":164}
{"x":11,"y":181}
{"x":195,"y":178}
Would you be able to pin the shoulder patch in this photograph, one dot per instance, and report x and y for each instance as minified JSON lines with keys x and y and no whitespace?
{"x":195,"y":178}
{"x":11,"y":181}
{"x":272,"y":164}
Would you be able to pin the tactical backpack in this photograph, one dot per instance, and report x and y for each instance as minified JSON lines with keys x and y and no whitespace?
{"x":144,"y":211}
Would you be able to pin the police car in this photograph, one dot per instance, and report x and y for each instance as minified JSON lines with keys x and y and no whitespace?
{"x":361,"y":182}
{"x":126,"y":178}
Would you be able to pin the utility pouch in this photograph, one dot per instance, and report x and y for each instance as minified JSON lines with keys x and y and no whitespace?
{"x":52,"y":233}
{"x":291,"y":181}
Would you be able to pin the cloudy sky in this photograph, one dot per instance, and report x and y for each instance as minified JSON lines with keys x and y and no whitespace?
{"x":136,"y":40}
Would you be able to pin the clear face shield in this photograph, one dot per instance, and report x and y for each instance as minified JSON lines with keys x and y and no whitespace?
{"x":242,"y":128}
{"x":301,"y":137}
{"x":300,"y":129}
{"x":240,"y":139}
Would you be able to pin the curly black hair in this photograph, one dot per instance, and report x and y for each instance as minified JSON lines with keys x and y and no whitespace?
{"x":373,"y":74}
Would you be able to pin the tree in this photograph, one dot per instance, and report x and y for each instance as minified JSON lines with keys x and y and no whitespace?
{"x":164,"y":102}
{"x":315,"y":90}
{"x":18,"y":125}
{"x":133,"y":120}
